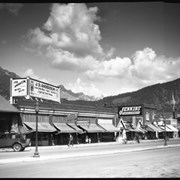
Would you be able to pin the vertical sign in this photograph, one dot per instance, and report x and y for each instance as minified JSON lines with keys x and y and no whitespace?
{"x":19,"y":87}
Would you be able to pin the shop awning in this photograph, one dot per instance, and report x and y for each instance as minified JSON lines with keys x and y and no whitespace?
{"x":92,"y":128}
{"x":64,"y":128}
{"x":24,"y":130}
{"x":128,"y":127}
{"x":42,"y":126}
{"x":73,"y":125}
{"x":172,"y":128}
{"x":109,"y":127}
{"x":152,"y":128}
{"x":167,"y":129}
{"x":138,"y":129}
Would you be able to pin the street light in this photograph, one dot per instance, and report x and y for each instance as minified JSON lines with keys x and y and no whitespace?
{"x":165,"y":139}
{"x":36,"y":153}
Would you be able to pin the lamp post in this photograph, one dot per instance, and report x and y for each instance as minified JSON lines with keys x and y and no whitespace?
{"x":36,"y":153}
{"x":165,"y":139}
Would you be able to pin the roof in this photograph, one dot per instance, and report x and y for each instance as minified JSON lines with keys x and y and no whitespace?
{"x":5,"y":106}
{"x":28,"y":103}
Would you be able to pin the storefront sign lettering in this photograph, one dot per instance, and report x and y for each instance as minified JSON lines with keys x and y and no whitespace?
{"x":43,"y":90}
{"x":130,"y":110}
{"x":19,"y":87}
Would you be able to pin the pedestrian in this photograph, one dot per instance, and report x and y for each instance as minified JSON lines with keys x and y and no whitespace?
{"x":137,"y":137}
{"x":124,"y":137}
{"x":87,"y":139}
{"x":70,"y":140}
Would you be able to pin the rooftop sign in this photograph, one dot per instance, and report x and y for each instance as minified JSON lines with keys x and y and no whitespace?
{"x":29,"y":87}
{"x":130,"y":110}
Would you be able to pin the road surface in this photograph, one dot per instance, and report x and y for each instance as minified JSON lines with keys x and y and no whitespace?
{"x":161,"y":162}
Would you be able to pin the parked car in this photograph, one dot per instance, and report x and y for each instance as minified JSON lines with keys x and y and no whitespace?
{"x":17,"y":142}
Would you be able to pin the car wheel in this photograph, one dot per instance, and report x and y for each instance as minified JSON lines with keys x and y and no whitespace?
{"x":17,"y":147}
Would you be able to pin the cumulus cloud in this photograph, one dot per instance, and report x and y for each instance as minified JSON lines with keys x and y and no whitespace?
{"x":11,"y":7}
{"x":149,"y":68}
{"x":30,"y":72}
{"x":86,"y":88}
{"x":70,"y":28}
{"x":71,"y":40}
{"x":117,"y":67}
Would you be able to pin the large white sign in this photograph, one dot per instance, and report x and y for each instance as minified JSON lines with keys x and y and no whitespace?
{"x":43,"y":90}
{"x":30,"y":87}
{"x":19,"y":87}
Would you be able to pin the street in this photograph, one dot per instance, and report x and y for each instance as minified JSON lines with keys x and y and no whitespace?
{"x":161,"y":162}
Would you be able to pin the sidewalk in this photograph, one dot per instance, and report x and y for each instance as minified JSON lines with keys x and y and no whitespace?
{"x":83,"y":154}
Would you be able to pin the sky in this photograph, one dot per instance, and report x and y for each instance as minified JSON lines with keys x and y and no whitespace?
{"x":101,"y":49}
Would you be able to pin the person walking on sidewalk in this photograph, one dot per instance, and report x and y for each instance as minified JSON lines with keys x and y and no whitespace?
{"x":124,"y":137}
{"x":137,"y":137}
{"x":70,"y":140}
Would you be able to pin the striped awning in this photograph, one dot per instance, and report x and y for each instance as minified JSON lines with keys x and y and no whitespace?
{"x":172,"y":128}
{"x":64,"y":128}
{"x":91,"y":128}
{"x":167,"y":129}
{"x":152,"y":128}
{"x":109,"y":127}
{"x":73,"y":125}
{"x":42,"y":126}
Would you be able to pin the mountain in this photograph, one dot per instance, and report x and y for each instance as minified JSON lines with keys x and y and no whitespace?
{"x":69,"y":95}
{"x":6,"y":75}
{"x":159,"y":95}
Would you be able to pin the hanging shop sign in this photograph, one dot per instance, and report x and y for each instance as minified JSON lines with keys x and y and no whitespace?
{"x":130,"y":110}
{"x":34,"y":88}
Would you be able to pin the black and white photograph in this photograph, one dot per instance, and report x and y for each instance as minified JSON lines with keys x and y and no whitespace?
{"x":90,"y":89}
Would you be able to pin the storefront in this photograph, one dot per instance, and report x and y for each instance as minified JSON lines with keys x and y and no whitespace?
{"x":9,"y":117}
{"x":62,"y":136}
{"x":92,"y":130}
{"x":153,"y":132}
{"x":174,"y":130}
{"x":138,"y":119}
{"x":45,"y":130}
{"x":110,"y":130}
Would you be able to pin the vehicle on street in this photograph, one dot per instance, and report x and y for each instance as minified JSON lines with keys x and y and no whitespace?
{"x":18,"y":142}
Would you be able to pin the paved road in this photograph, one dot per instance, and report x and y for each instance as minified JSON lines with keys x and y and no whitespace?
{"x":8,"y":156}
{"x":162,"y":162}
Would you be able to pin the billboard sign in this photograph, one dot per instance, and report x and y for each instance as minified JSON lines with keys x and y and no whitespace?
{"x":33,"y":88}
{"x":130,"y":110}
{"x":19,"y":87}
{"x":43,"y":90}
